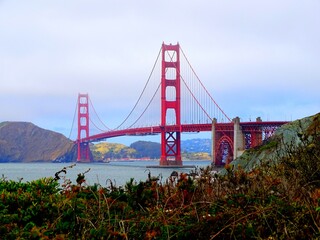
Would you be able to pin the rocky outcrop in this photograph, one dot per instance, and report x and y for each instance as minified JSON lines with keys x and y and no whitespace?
{"x":288,"y":138}
{"x":25,"y":142}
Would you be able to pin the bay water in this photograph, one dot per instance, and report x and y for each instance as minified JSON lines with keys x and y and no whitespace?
{"x":119,"y":172}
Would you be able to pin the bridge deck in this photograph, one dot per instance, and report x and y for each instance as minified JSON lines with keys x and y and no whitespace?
{"x":202,"y":127}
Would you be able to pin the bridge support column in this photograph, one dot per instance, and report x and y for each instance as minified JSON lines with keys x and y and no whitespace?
{"x":170,"y":82}
{"x":238,"y":138}
{"x":256,"y":135}
{"x":213,"y":140}
{"x":222,"y":138}
{"x":83,"y":128}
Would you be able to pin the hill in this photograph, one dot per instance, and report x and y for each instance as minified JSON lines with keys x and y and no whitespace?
{"x":196,"y":145}
{"x":146,"y":149}
{"x":139,"y":149}
{"x":191,"y":149}
{"x":196,"y":149}
{"x":104,"y":150}
{"x":294,"y":137}
{"x":25,"y":142}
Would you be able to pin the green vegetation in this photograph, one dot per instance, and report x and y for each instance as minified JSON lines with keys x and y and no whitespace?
{"x":102,"y":151}
{"x":146,"y":149}
{"x":196,"y":156}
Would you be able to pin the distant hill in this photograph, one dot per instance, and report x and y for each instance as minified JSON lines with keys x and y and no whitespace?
{"x":191,"y":149}
{"x":146,"y":149}
{"x":140,"y":149}
{"x":104,"y":151}
{"x":196,"y":145}
{"x":25,"y":142}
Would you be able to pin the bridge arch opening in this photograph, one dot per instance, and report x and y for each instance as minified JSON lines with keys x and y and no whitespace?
{"x":224,"y":153}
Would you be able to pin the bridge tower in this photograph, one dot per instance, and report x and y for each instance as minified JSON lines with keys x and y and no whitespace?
{"x":83,"y":128}
{"x":170,"y":83}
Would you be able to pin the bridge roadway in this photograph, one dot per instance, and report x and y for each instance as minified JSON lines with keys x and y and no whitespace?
{"x":202,"y":127}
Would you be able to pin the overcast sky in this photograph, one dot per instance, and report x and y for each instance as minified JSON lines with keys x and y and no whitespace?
{"x":256,"y":58}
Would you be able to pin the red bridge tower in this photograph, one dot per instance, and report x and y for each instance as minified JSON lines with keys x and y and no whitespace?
{"x":83,"y":128}
{"x":170,"y":82}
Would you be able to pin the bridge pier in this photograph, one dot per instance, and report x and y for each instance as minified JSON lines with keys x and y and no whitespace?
{"x":223,"y":143}
{"x":230,"y":140}
{"x":238,"y":138}
{"x":213,"y":139}
{"x":84,"y":154}
{"x":256,"y":135}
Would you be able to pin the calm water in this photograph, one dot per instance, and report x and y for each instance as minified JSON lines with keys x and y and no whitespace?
{"x":118,"y":172}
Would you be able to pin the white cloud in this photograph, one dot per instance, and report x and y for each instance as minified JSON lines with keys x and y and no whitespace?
{"x":253,"y":56}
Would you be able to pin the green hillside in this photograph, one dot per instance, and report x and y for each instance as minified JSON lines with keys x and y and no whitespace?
{"x":294,"y":138}
{"x":107,"y":151}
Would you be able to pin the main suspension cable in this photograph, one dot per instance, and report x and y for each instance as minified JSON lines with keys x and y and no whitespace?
{"x":108,"y":129}
{"x":155,"y":93}
{"x":145,"y":86}
{"x":74,"y":116}
{"x":146,"y":106}
{"x":96,"y":125}
{"x":204,"y":86}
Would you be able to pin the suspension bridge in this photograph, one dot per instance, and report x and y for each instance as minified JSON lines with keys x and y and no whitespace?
{"x":174,"y":101}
